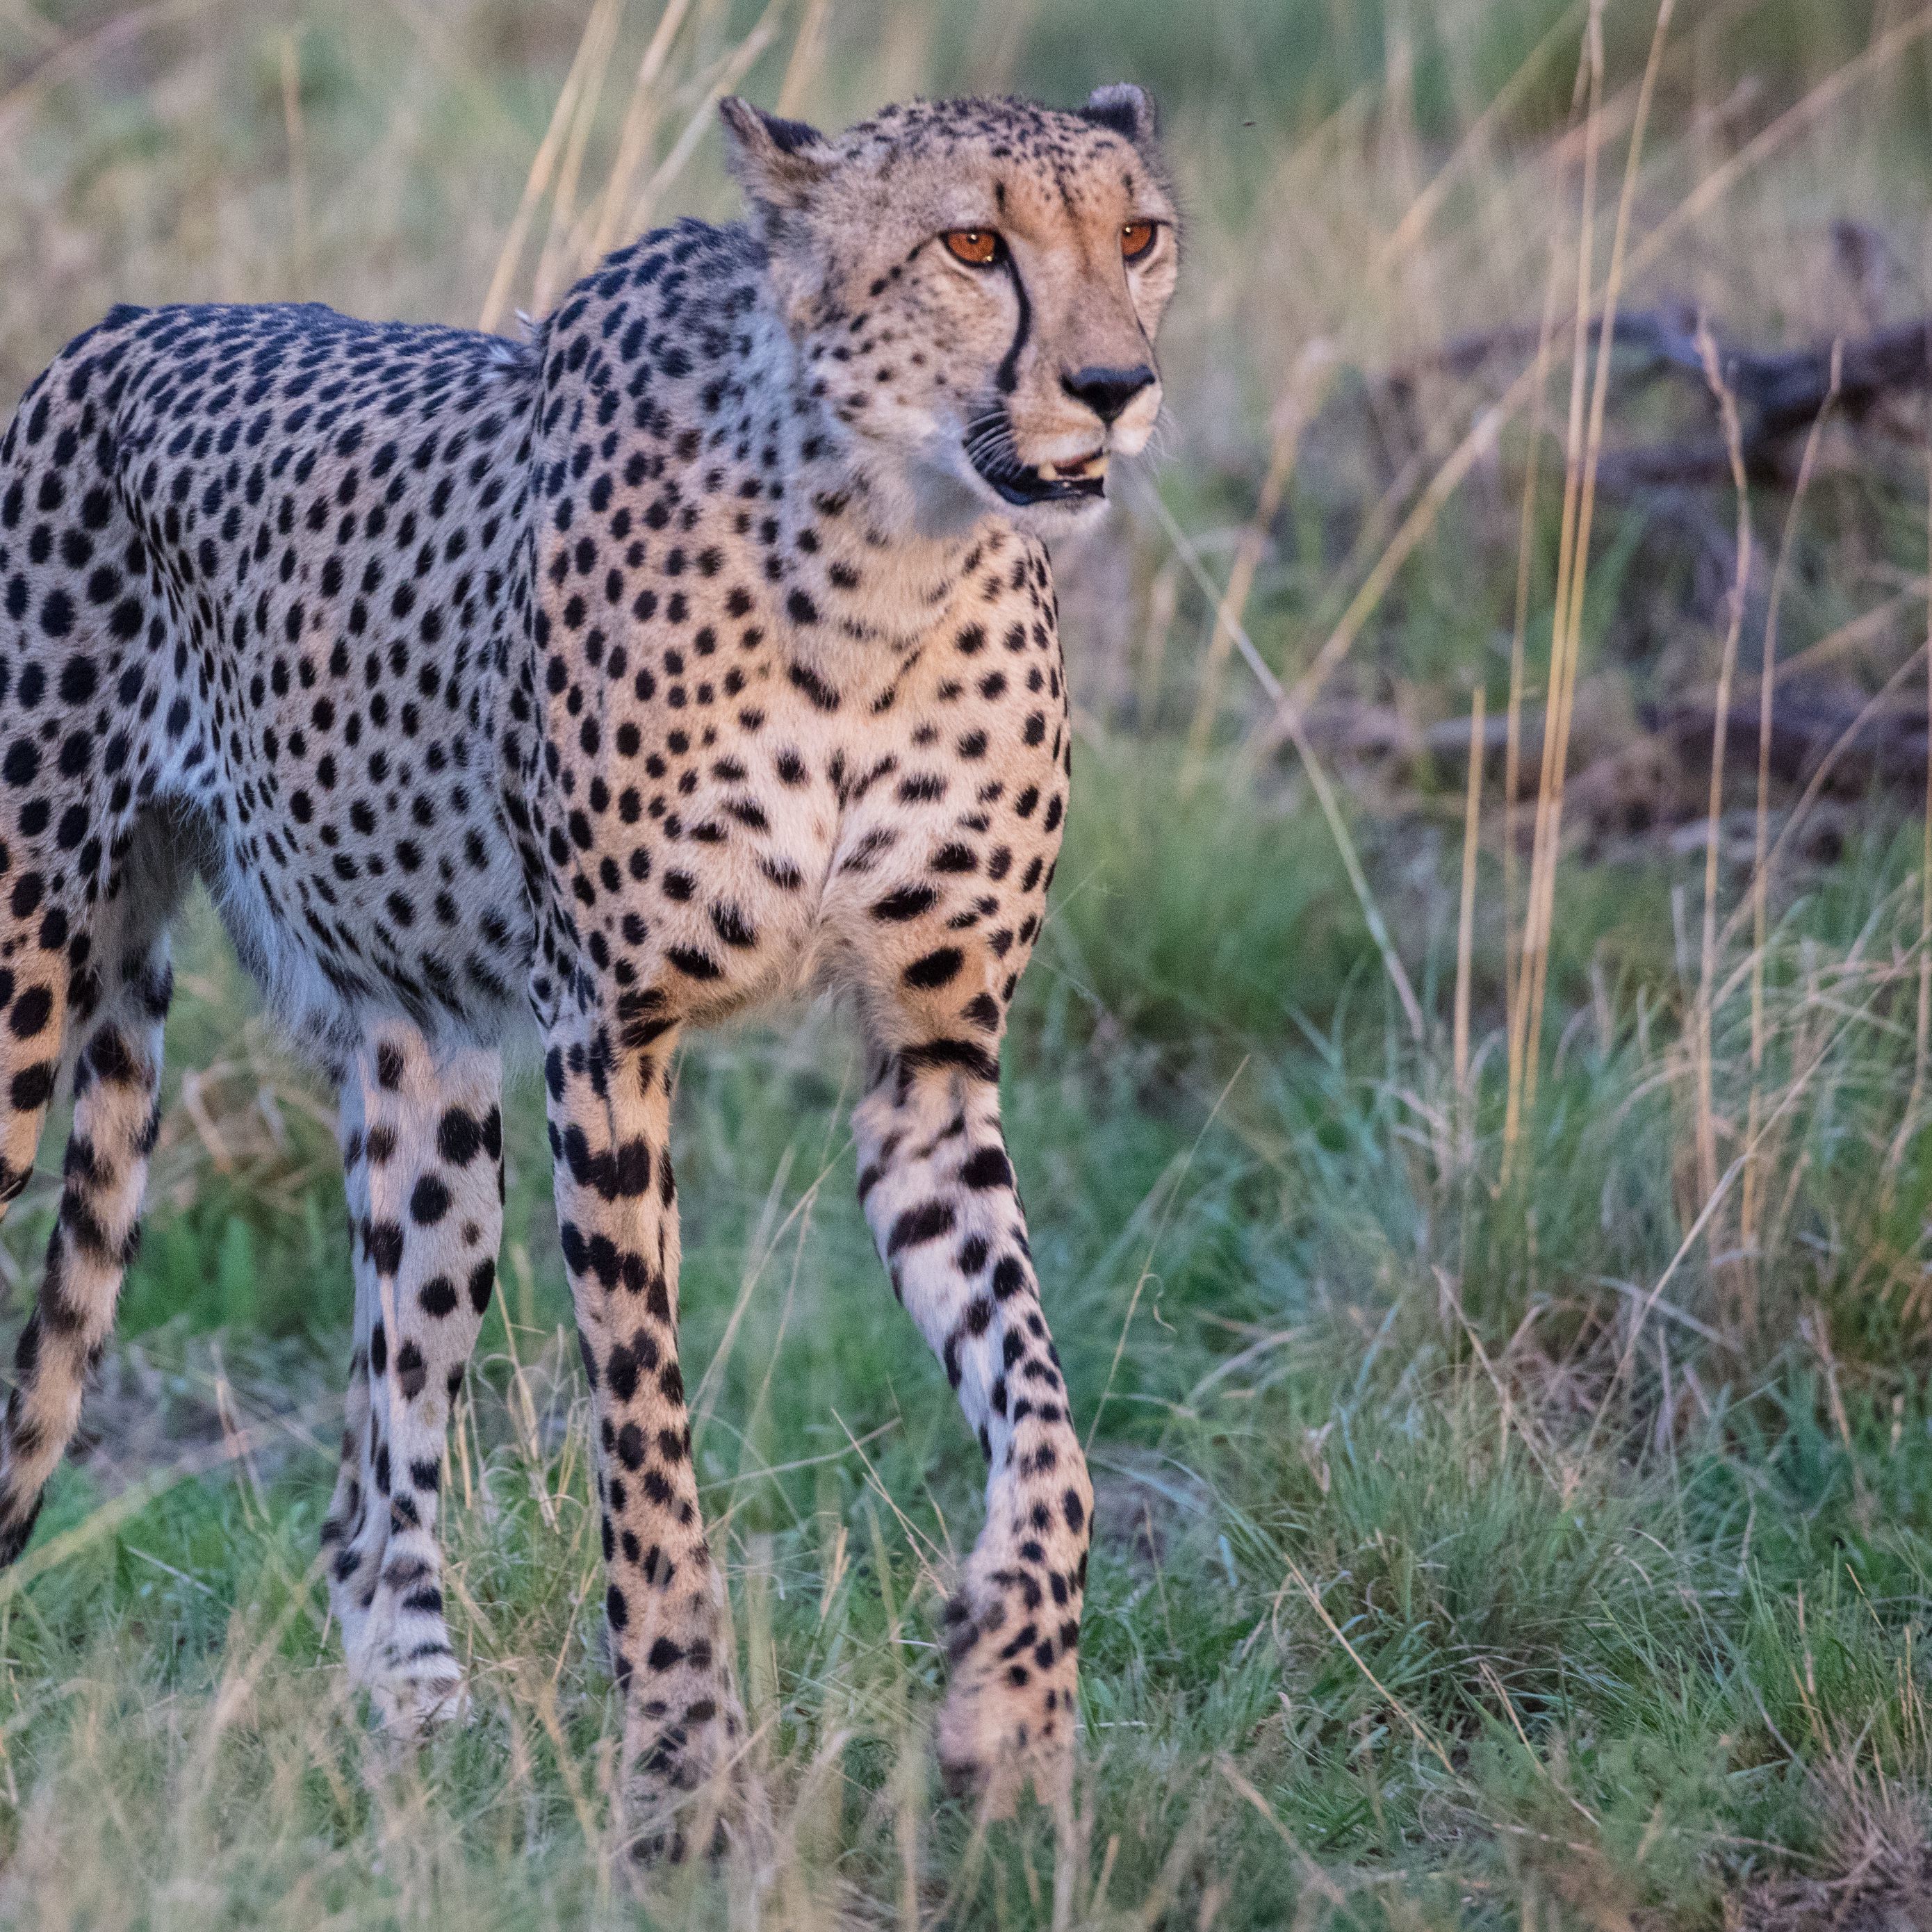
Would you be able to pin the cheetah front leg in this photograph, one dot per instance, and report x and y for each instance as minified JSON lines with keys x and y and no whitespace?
{"x":617,"y":1207}
{"x":422,"y":1155}
{"x":939,"y":1193}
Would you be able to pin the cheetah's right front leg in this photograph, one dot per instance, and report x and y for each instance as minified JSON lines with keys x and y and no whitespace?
{"x":616,"y":1210}
{"x":422,"y":1154}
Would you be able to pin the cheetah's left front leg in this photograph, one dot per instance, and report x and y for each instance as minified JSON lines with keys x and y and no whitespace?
{"x":939,"y":1192}
{"x":422,"y":1153}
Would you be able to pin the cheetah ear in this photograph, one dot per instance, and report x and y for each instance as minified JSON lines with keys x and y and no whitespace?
{"x":1125,"y":109}
{"x":777,"y":163}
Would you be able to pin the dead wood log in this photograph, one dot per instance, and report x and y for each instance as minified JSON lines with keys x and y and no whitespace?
{"x":1779,"y":391}
{"x":1887,"y":748}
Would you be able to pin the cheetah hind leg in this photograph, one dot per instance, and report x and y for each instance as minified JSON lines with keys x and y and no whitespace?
{"x":85,"y":983}
{"x":422,"y":1152}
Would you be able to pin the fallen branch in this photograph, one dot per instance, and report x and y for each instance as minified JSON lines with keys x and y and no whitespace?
{"x":1887,"y":745}
{"x":1779,"y":392}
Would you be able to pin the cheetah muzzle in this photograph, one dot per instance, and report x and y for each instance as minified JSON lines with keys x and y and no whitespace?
{"x":989,"y":448}
{"x":702,"y":650}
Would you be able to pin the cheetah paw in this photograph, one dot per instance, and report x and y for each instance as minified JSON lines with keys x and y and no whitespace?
{"x":409,"y":1707}
{"x":1008,"y":1721}
{"x":684,"y":1790}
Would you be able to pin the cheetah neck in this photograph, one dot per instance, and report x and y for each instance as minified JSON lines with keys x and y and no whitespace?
{"x":880,"y":563}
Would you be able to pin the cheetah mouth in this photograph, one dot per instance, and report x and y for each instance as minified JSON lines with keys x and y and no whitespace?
{"x":1024,"y":485}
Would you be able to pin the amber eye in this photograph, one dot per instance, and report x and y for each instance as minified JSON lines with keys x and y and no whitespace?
{"x":979,"y":246}
{"x":1136,"y":238}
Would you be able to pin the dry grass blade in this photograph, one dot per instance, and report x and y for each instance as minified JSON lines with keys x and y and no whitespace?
{"x":66,"y":63}
{"x":770,"y":1231}
{"x":1355,"y":1658}
{"x":1317,"y":1878}
{"x":1749,"y":1203}
{"x":1701,"y":1021}
{"x":1816,"y":1051}
{"x":1519,"y":640}
{"x":1828,"y":92}
{"x":1408,"y":231}
{"x":1301,"y":402}
{"x":727,"y":75}
{"x":1922,"y":1041}
{"x":1449,"y":1295}
{"x":1180,"y":1173}
{"x":633,"y":139}
{"x":562,"y":256}
{"x":1814,"y":786}
{"x":1534,"y":968}
{"x":1924,"y":1021}
{"x":298,"y":139}
{"x":1317,"y":777}
{"x":108,"y":1515}
{"x":1465,"y":921}
{"x":807,"y":52}
{"x":1454,"y":472}
{"x":542,"y":166}
{"x":1526,"y":1019}
{"x":1868,"y":627}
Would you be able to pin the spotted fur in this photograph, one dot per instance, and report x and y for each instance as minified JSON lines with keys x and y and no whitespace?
{"x":700,"y":651}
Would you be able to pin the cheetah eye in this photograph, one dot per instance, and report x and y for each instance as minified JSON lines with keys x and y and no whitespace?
{"x":979,"y":247}
{"x":1136,"y":238}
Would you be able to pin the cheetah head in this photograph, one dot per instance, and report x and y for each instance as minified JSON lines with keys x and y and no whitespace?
{"x":972,"y":288}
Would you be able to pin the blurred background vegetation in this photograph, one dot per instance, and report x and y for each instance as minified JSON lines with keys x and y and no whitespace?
{"x":1486,"y":1226}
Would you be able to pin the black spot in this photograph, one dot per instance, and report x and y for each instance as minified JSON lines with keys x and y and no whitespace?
{"x":693,"y":965}
{"x":458,"y":1137}
{"x":935,"y":969}
{"x":438,"y":1296}
{"x":31,"y":1011}
{"x":926,"y":1222}
{"x":732,"y":926}
{"x":411,"y":1371}
{"x":988,"y":1167}
{"x":32,"y":1088}
{"x":430,"y":1201}
{"x":908,"y":902}
{"x":814,"y":687}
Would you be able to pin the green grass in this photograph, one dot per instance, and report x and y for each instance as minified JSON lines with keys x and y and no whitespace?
{"x":1404,"y":1610}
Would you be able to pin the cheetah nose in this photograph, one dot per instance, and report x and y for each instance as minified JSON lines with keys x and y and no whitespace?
{"x":1107,"y":392}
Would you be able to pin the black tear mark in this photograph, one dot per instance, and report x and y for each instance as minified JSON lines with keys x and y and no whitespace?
{"x":1008,"y":376}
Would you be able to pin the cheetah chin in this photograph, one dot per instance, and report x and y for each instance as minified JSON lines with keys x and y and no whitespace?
{"x":700,"y":647}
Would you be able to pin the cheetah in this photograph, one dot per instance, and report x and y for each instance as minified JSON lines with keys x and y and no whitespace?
{"x":700,"y":649}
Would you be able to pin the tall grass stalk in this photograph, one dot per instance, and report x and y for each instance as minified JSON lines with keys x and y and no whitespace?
{"x":1742,"y":1317}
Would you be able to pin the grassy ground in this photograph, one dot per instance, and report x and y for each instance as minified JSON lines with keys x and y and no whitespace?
{"x":1511,"y":1512}
{"x":1432,"y":1587}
